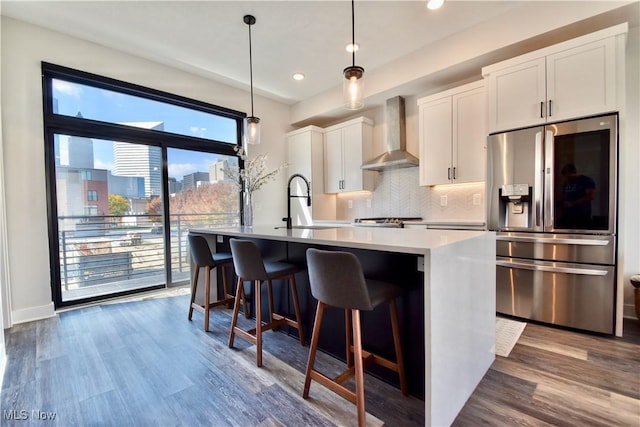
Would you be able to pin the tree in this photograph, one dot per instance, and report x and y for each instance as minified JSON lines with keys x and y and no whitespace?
{"x":153,"y":208}
{"x":118,"y":205}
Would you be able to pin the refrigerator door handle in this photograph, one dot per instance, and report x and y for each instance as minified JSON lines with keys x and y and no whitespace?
{"x":537,"y":190}
{"x":548,"y":180}
{"x":551,"y":269}
{"x":547,"y":240}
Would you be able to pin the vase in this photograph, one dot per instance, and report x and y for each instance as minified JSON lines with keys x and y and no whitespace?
{"x":247,"y":210}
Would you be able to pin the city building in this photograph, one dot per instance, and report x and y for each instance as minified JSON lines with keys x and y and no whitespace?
{"x":192,"y":179}
{"x":140,"y":161}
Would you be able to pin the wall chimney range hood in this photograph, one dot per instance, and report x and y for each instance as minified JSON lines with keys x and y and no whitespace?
{"x":396,"y":156}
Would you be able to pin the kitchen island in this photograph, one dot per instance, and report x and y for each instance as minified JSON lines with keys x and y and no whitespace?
{"x":447,"y":313}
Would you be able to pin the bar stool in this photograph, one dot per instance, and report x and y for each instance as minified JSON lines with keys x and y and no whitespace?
{"x":337,"y":280}
{"x":203,"y":258}
{"x":250,"y":266}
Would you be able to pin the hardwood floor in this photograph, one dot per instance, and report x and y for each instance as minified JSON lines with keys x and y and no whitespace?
{"x":143,"y":363}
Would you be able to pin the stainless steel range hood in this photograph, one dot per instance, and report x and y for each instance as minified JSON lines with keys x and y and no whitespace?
{"x":396,"y":155}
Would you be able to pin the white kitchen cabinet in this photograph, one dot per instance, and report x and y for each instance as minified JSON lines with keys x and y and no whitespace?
{"x":346,"y":147}
{"x":573,"y":79}
{"x":453,"y":133}
{"x":305,"y":156}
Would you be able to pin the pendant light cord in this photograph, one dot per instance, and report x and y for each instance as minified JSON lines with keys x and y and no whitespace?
{"x":353,"y":33}
{"x":250,"y":70}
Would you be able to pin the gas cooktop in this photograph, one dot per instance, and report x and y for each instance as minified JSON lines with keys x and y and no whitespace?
{"x":395,"y":222}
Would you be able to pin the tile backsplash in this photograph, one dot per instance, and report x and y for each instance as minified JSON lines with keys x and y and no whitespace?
{"x":398,"y":194}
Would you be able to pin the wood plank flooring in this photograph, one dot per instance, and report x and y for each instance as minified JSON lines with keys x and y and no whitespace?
{"x":142,"y":363}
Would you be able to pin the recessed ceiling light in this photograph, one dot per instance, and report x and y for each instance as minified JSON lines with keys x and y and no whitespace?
{"x":352,"y":47}
{"x":435,"y":4}
{"x":298,"y":76}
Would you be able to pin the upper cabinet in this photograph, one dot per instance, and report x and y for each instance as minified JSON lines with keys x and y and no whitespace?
{"x":346,"y":146}
{"x":453,"y":133}
{"x":305,"y":156}
{"x":572,"y":79}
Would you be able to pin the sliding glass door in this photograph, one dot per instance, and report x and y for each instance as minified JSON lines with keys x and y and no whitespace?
{"x":104,"y":192}
{"x":200,"y":195}
{"x":129,"y":171}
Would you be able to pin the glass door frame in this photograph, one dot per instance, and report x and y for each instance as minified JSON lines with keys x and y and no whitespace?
{"x":81,"y":127}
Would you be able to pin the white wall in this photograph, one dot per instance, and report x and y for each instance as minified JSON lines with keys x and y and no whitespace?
{"x":23,"y":48}
{"x":4,"y":272}
{"x":629,"y":178}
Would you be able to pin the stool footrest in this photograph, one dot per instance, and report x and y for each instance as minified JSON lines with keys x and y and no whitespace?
{"x":276,"y":323}
{"x":369,"y":359}
{"x":247,"y":335}
{"x":350,"y":372}
{"x":213,"y":304}
{"x":331,"y":385}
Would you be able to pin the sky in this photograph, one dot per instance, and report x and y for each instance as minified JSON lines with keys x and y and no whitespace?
{"x":108,"y":106}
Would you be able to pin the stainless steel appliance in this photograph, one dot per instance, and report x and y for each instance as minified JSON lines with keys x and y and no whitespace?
{"x":551,"y":194}
{"x":383,"y":221}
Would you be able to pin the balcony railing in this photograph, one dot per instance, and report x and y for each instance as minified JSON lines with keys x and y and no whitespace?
{"x":106,"y":254}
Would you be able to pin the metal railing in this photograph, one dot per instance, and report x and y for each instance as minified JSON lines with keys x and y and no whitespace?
{"x":125,"y":252}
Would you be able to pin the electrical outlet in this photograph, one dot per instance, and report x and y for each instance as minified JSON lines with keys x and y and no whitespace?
{"x":350,"y":204}
{"x":476,"y":199}
{"x":369,"y":203}
{"x":219,"y":239}
{"x":443,"y":200}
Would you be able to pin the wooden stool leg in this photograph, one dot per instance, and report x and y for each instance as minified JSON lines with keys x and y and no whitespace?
{"x":258,"y":323}
{"x":348,"y":330}
{"x":270,"y":298}
{"x":244,"y":299}
{"x":357,"y":339}
{"x":236,"y":308}
{"x":225,"y":286}
{"x":194,"y":287}
{"x":207,"y":297}
{"x":315,"y":336}
{"x":296,"y":306}
{"x":396,"y":342}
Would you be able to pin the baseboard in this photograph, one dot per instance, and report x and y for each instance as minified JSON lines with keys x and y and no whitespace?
{"x":33,"y":313}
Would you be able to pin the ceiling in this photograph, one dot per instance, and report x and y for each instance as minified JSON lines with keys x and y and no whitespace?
{"x":209,"y":38}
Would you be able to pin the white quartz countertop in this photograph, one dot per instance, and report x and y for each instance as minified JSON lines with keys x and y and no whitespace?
{"x":402,"y":240}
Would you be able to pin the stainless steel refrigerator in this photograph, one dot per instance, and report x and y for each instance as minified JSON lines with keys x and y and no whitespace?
{"x":551,"y":196}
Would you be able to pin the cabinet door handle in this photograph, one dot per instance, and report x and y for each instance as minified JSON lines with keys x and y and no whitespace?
{"x":541,"y":107}
{"x":549,"y":108}
{"x":448,"y":173}
{"x":454,"y":173}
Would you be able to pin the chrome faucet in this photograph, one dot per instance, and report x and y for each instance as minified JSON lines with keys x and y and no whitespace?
{"x":289,"y":196}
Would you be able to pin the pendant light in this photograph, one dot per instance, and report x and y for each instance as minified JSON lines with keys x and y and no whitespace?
{"x":353,"y":83}
{"x":251,"y":123}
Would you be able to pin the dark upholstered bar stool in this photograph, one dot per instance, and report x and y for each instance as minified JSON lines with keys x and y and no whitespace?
{"x":203,"y":258}
{"x":337,"y":280}
{"x":250,"y":266}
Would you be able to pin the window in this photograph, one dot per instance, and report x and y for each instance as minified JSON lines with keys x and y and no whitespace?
{"x":115,"y":106}
{"x":115,"y":154}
